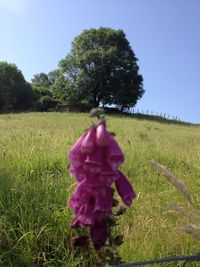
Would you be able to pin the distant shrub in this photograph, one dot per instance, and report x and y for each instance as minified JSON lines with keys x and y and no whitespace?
{"x":15,"y":92}
{"x":46,"y":103}
{"x":40,"y":91}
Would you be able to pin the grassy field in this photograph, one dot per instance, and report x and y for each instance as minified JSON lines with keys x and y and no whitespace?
{"x":35,"y":186}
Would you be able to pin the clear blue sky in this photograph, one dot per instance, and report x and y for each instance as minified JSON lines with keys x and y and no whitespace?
{"x":164,"y":34}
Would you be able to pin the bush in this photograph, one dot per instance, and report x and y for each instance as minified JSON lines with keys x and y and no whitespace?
{"x":46,"y":103}
{"x":15,"y":92}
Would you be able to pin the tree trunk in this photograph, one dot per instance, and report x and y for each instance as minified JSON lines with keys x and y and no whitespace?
{"x":122,"y":108}
{"x":96,"y":101}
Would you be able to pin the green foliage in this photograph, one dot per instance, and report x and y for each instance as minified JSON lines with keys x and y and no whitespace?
{"x":53,"y":76}
{"x":64,"y":91}
{"x":46,"y":103}
{"x":40,"y":91}
{"x":15,"y":92}
{"x":101,"y":68}
{"x":41,"y":79}
{"x":42,"y":85}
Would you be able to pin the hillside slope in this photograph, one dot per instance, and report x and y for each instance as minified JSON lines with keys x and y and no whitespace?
{"x":34,"y":218}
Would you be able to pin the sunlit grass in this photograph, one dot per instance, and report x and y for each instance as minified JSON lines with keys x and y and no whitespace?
{"x":35,"y":186}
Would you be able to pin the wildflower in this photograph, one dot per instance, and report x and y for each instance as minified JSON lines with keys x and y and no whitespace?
{"x":107,"y":176}
{"x":88,"y":144}
{"x":115,"y":156}
{"x":94,"y":161}
{"x":125,"y":189}
{"x":102,"y":136}
{"x":78,"y":172}
{"x":91,"y":203}
{"x":99,"y":234}
{"x":75,"y":156}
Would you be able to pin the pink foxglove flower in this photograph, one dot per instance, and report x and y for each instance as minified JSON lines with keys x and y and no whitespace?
{"x":99,"y":234}
{"x":125,"y":189}
{"x":86,"y":215}
{"x":107,"y":176}
{"x":78,"y":172}
{"x":104,"y":200}
{"x":88,"y":144}
{"x":91,"y":202}
{"x":115,"y":156}
{"x":75,"y":156}
{"x":102,"y":136}
{"x":94,"y":161}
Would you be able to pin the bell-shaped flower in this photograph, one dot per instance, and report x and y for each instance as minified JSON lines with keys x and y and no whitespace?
{"x":102,"y":136}
{"x":79,"y":197}
{"x":99,"y":234}
{"x":85,"y":215}
{"x":107,"y":176}
{"x":115,"y":156}
{"x":83,"y":203}
{"x":75,"y":156}
{"x":88,"y":144}
{"x":104,"y":200}
{"x":102,"y":215}
{"x":125,"y":189}
{"x":79,"y":173}
{"x":93,"y":163}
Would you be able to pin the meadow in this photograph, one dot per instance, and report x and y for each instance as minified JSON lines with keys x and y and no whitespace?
{"x":35,"y":186}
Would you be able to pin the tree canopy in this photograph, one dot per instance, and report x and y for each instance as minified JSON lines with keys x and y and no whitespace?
{"x":100,"y":68}
{"x":40,"y":79}
{"x":15,"y":92}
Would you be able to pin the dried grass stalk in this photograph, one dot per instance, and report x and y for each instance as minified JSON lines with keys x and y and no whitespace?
{"x":193,"y":230}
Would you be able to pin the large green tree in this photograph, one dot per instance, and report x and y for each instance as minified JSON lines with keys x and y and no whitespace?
{"x":15,"y":92}
{"x":40,"y":79}
{"x":42,"y":82}
{"x":101,"y":68}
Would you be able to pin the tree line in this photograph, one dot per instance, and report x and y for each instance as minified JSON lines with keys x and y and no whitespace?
{"x":101,"y":69}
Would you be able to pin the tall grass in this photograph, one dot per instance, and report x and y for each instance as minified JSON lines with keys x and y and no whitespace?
{"x":35,"y":186}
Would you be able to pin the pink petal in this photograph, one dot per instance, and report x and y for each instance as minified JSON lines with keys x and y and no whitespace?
{"x":125,"y":189}
{"x":104,"y":200}
{"x":102,"y":215}
{"x":102,"y":136}
{"x":74,"y":204}
{"x":114,"y":154}
{"x":79,"y":173}
{"x":86,"y":212}
{"x":93,"y":163}
{"x":93,"y":181}
{"x":83,"y":202}
{"x":88,"y":144}
{"x":79,"y":197}
{"x":107,"y":176}
{"x":99,"y":234}
{"x":75,"y":154}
